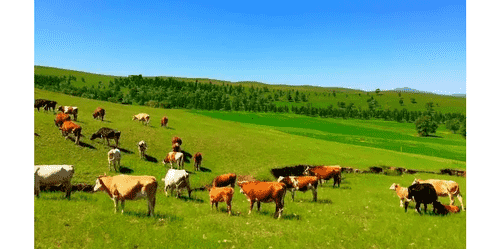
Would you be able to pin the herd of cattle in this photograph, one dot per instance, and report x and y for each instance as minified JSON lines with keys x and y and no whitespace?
{"x":297,"y":178}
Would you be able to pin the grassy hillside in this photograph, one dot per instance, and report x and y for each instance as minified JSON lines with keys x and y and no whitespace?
{"x":320,"y":97}
{"x":362,"y":213}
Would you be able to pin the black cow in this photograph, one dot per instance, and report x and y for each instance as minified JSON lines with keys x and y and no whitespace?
{"x":422,"y":193}
{"x":107,"y":133}
{"x":50,"y":105}
{"x":40,"y":103}
{"x":290,"y":171}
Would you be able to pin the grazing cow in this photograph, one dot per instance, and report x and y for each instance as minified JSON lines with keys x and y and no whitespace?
{"x":224,"y":180}
{"x":142,"y":117}
{"x":176,"y":148}
{"x":114,"y":158}
{"x":164,"y":121}
{"x":142,"y":146}
{"x":401,"y":192}
{"x":445,"y":188}
{"x":197,"y":161}
{"x":224,"y":194}
{"x":69,"y":127}
{"x":326,"y":173}
{"x":174,"y":157}
{"x":289,"y":171}
{"x":61,"y":118}
{"x":53,"y":175}
{"x":421,"y":193}
{"x":50,"y":105}
{"x":99,"y":113}
{"x":176,"y":140}
{"x":444,"y":209}
{"x":40,"y":103}
{"x":264,"y":192}
{"x":69,"y":110}
{"x":107,"y":133}
{"x":176,"y":179}
{"x":125,"y":187}
{"x":300,"y":183}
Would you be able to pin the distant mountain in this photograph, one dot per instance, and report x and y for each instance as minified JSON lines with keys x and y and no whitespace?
{"x":461,"y":95}
{"x":408,"y":89}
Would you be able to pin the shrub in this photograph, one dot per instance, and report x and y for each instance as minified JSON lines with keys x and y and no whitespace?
{"x":425,"y":125}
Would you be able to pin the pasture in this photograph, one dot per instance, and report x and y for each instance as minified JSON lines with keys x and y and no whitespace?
{"x":363,"y":213}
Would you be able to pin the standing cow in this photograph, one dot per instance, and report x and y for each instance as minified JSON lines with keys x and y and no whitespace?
{"x":69,"y":110}
{"x":300,"y":183}
{"x":197,"y":161}
{"x":224,"y":180}
{"x":61,"y":118}
{"x":107,"y":133}
{"x":445,"y":188}
{"x":99,"y":113}
{"x":176,"y":179}
{"x":114,"y":158}
{"x":142,"y":146}
{"x":164,"y":122}
{"x":325,"y":173}
{"x":69,"y":127}
{"x":224,"y":194}
{"x":53,"y":175}
{"x":142,"y":117}
{"x":264,"y":192}
{"x":174,"y":157}
{"x":422,"y":193}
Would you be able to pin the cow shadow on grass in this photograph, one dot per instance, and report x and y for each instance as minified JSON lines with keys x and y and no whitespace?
{"x":150,"y":159}
{"x":125,"y":170}
{"x":322,"y":201}
{"x":191,"y":199}
{"x":187,"y":156}
{"x":82,"y":144}
{"x":171,"y":128}
{"x":158,"y":216}
{"x":121,"y":149}
{"x":284,"y":216}
{"x":205,"y":169}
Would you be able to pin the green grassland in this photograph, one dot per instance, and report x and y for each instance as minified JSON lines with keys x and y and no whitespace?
{"x":363,"y":213}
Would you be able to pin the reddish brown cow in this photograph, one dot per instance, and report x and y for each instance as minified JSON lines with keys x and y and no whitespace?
{"x":69,"y":110}
{"x":70,"y":127}
{"x":264,"y":192}
{"x":176,"y":140}
{"x":301,"y":183}
{"x":224,"y":194}
{"x":197,"y":160}
{"x":224,"y":180}
{"x":61,"y":118}
{"x":326,"y":173}
{"x":99,"y":113}
{"x":164,"y":121}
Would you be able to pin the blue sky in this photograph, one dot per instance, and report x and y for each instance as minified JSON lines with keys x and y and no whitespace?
{"x":359,"y":44}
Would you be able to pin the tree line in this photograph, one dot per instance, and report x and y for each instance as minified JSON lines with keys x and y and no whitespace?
{"x":171,"y":93}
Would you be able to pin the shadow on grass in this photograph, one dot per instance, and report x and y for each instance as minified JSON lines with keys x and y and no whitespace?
{"x":347,"y":187}
{"x":322,"y":201}
{"x":125,"y":170}
{"x":192,"y":199}
{"x":158,"y":216}
{"x":121,"y":149}
{"x":186,"y":156}
{"x":82,"y":144}
{"x":205,"y":169}
{"x":168,"y":127}
{"x":435,"y":136}
{"x":151,"y":159}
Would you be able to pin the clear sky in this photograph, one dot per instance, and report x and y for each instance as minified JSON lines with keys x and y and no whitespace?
{"x":365,"y":45}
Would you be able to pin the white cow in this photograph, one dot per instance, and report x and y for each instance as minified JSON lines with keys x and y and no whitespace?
{"x":53,"y":175}
{"x":142,"y":146}
{"x":142,"y":117}
{"x":176,"y":179}
{"x":114,"y":157}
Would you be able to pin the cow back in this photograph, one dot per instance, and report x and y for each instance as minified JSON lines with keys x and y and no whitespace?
{"x":224,"y":180}
{"x":443,"y":187}
{"x":132,"y":187}
{"x":263,"y":191}
{"x":53,"y":174}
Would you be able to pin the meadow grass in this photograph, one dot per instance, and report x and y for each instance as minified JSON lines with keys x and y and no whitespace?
{"x":362,"y":213}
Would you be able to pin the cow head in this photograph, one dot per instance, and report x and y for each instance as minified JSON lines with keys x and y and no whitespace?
{"x":394,"y":186}
{"x":99,"y":184}
{"x":95,"y":136}
{"x":307,"y":171}
{"x":95,"y":115}
{"x":134,"y":117}
{"x":166,"y":160}
{"x":60,"y":108}
{"x":240,"y":184}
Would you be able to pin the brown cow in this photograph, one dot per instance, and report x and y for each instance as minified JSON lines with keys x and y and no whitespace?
{"x":61,"y":118}
{"x":264,"y":192}
{"x":99,"y":113}
{"x":326,"y":173}
{"x":300,"y":183}
{"x":224,"y":194}
{"x":174,"y":157}
{"x":224,"y":180}
{"x":176,"y":140}
{"x":69,"y":127}
{"x":197,"y":160}
{"x":125,"y":187}
{"x":164,"y":121}
{"x":445,"y":188}
{"x":69,"y":110}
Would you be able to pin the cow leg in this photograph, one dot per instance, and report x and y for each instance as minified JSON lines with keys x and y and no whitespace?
{"x":418,"y":204}
{"x":459,"y":196}
{"x":122,"y":206}
{"x":251,"y":206}
{"x":68,"y":190}
{"x":401,"y":202}
{"x":425,"y":207}
{"x":314,"y":194}
{"x":74,"y":116}
{"x":258,"y":206}
{"x":116,"y":203}
{"x":292,"y":193}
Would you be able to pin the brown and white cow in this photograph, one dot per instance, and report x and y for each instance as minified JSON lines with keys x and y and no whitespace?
{"x":445,"y":188}
{"x":61,"y":118}
{"x":164,"y":121}
{"x":401,"y":192}
{"x":53,"y":175}
{"x":177,"y":179}
{"x":224,"y":180}
{"x":325,"y":173}
{"x":69,"y":110}
{"x":99,"y":113}
{"x":257,"y":191}
{"x":141,"y":117}
{"x":176,"y":140}
{"x":142,"y":146}
{"x":197,"y":161}
{"x":69,"y":127}
{"x":125,"y":187}
{"x":114,"y":158}
{"x":174,"y":157}
{"x":224,"y":194}
{"x":300,"y":183}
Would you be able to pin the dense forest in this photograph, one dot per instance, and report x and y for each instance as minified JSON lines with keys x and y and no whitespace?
{"x":171,"y":93}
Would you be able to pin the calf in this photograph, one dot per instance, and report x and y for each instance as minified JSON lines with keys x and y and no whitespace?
{"x":61,"y":118}
{"x":422,"y":193}
{"x":174,"y":157}
{"x":444,"y":209}
{"x":52,"y":175}
{"x":176,"y":179}
{"x":141,"y":117}
{"x":445,"y":188}
{"x":107,"y":133}
{"x":114,"y":158}
{"x":197,"y":161}
{"x":124,"y":187}
{"x":325,"y":173}
{"x":264,"y":192}
{"x":69,"y":110}
{"x":99,"y":113}
{"x":69,"y":127}
{"x":224,"y":194}
{"x":164,"y":121}
{"x":401,"y":192}
{"x":224,"y":180}
{"x":300,"y":183}
{"x":142,"y":148}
